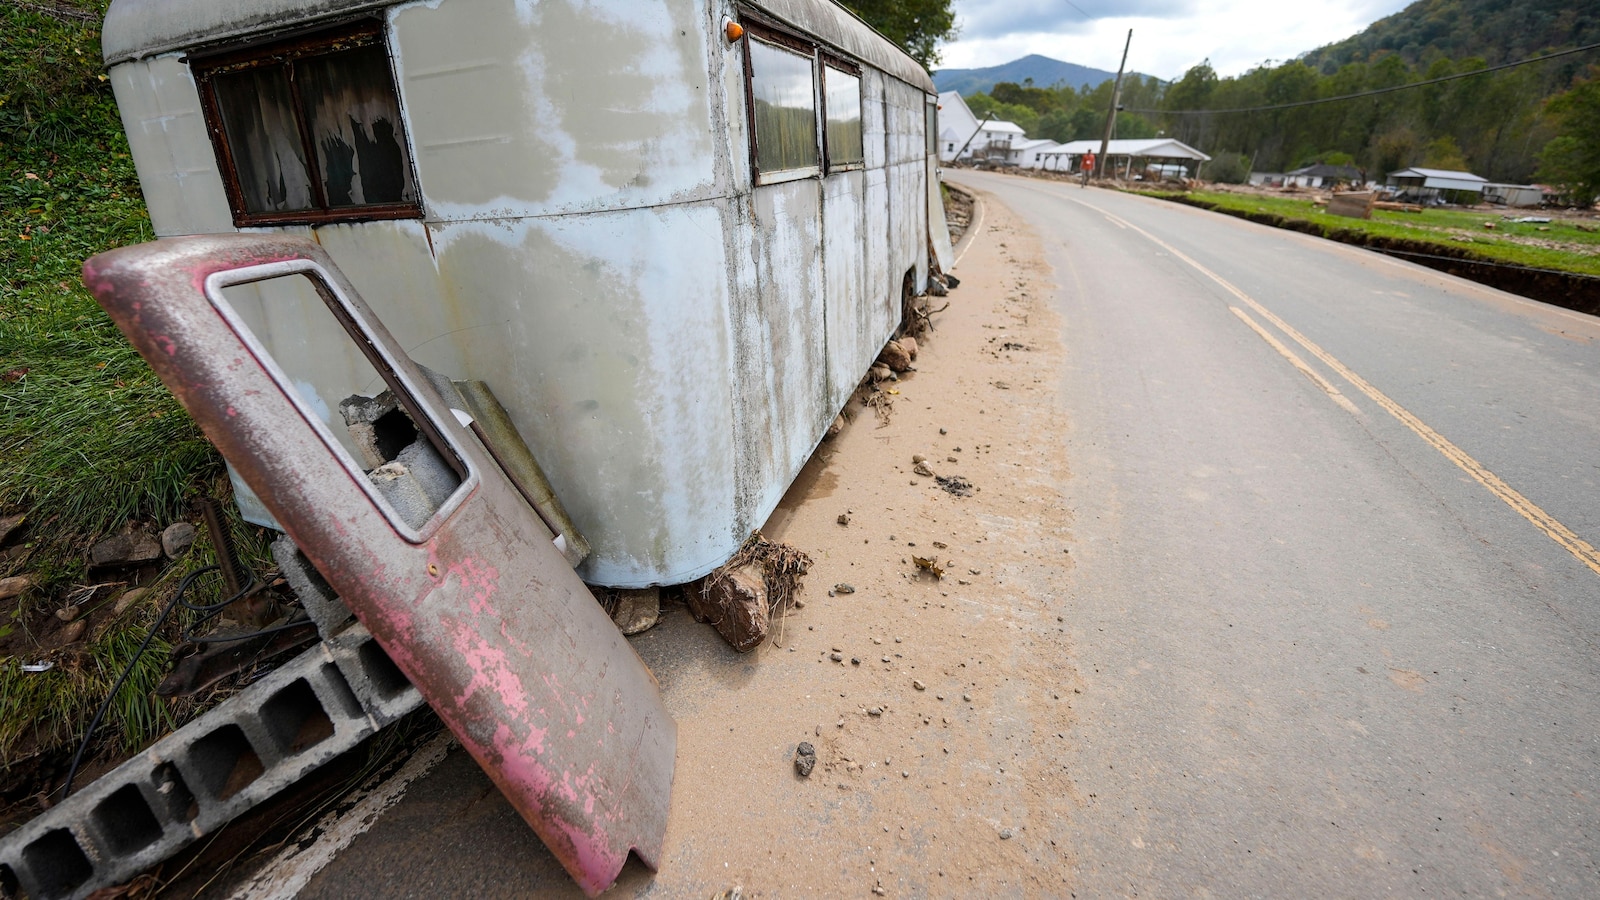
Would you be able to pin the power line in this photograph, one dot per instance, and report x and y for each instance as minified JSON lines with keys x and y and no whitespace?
{"x":1080,"y":11}
{"x":1371,"y":93}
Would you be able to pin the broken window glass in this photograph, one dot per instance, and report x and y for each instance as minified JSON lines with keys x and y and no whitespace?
{"x":783,"y":92}
{"x":258,"y":116}
{"x":843,"y":107}
{"x":310,"y":130}
{"x":355,"y":128}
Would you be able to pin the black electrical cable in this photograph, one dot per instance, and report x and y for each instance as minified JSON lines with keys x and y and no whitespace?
{"x":1371,"y":93}
{"x":177,"y":597}
{"x":208,"y":612}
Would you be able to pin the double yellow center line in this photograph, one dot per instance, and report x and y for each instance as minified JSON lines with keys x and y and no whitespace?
{"x":1542,"y":520}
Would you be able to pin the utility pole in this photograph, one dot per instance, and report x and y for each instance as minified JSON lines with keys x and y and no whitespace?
{"x":979,"y":131}
{"x":1111,"y":114}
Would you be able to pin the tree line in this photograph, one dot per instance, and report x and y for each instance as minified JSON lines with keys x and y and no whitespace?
{"x":1534,"y":122}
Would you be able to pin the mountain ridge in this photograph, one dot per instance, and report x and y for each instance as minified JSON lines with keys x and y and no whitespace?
{"x":1045,"y":72}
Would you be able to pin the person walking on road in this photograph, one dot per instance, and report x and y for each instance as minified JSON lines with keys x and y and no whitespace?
{"x":1087,"y":168}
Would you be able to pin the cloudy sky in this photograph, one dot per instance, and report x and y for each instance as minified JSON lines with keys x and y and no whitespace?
{"x":1169,"y":36}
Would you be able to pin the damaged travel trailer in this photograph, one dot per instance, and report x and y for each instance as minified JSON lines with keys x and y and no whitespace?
{"x":670,"y":235}
{"x":417,"y":256}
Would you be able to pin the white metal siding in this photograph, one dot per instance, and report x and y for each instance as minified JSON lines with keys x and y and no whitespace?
{"x":166,"y":129}
{"x":535,"y":110}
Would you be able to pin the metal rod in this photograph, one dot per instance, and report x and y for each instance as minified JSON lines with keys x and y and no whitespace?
{"x":222,"y":542}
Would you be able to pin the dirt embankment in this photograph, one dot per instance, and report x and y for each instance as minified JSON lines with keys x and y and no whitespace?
{"x":1575,"y":292}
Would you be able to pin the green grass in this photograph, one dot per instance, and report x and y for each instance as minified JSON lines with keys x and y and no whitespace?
{"x":89,"y":438}
{"x":1462,"y":229}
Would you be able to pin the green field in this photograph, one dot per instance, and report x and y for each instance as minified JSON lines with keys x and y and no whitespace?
{"x":1517,"y":243}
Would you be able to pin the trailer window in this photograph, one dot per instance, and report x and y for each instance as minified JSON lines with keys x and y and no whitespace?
{"x":310,"y":131}
{"x":784,"y":109}
{"x":842,"y":104}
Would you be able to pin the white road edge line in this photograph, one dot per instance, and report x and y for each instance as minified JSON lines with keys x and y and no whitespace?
{"x":974,"y":228}
{"x":291,"y":870}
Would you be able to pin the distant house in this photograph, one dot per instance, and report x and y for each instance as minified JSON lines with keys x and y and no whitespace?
{"x":1028,"y":151}
{"x":959,"y":133}
{"x":1127,"y":158}
{"x":1436,"y":185}
{"x":1514,"y":194}
{"x":1320,"y":175}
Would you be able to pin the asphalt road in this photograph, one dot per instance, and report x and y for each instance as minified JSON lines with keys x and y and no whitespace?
{"x":1336,"y":615}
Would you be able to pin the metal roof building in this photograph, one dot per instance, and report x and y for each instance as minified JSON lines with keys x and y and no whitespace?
{"x":1437,"y":180}
{"x":1169,"y":150}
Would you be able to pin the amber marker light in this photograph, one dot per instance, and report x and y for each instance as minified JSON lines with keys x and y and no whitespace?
{"x":734,"y":30}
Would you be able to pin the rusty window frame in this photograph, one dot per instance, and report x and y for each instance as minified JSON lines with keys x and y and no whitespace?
{"x":756,"y":29}
{"x":830,"y":61}
{"x":359,"y":332}
{"x":283,"y":53}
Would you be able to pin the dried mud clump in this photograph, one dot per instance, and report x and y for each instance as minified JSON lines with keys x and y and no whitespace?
{"x":740,"y":598}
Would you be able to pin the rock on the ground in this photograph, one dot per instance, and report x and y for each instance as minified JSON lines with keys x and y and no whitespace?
{"x":894,"y":356}
{"x":15,"y":586}
{"x":9,"y":525}
{"x":880,"y":372}
{"x":176,"y":539}
{"x":637,"y":610}
{"x":130,"y":598}
{"x":910,"y":345}
{"x":805,"y":758}
{"x":133,"y":547}
{"x":734,"y":601}
{"x":74,"y":631}
{"x":837,"y":426}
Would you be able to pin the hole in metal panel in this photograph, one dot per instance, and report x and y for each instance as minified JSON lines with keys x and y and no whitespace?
{"x":387,"y":679}
{"x":224,"y":762}
{"x":58,"y":862}
{"x":295,"y":719}
{"x":177,"y":802}
{"x":392,"y":433}
{"x":351,"y":389}
{"x":125,"y":822}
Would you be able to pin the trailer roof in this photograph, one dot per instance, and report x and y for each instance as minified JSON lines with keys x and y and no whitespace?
{"x":138,"y":28}
{"x":845,"y":31}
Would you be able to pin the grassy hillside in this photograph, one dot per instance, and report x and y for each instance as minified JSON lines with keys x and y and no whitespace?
{"x":89,"y":438}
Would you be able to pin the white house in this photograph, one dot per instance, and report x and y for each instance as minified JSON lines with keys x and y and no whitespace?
{"x":1028,"y":152}
{"x":1322,"y":175}
{"x":959,"y":133}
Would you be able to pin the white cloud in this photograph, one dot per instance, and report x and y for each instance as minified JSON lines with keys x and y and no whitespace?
{"x":1169,"y":36}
